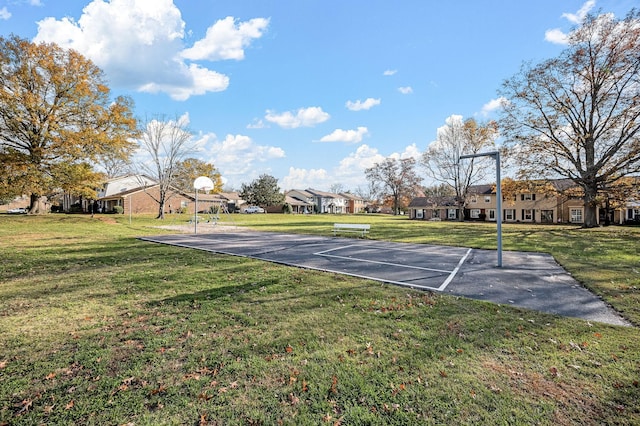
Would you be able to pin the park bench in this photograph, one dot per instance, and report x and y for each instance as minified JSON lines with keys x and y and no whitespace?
{"x":360,"y":228}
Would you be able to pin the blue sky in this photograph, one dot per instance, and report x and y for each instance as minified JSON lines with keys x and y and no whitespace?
{"x":311,"y":92}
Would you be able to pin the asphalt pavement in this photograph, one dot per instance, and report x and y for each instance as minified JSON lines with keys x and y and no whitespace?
{"x":532,"y":281}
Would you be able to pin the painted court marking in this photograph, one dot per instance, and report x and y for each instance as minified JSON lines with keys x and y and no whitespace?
{"x":447,"y":281}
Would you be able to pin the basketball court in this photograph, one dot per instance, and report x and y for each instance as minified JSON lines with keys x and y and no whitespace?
{"x":528,"y":280}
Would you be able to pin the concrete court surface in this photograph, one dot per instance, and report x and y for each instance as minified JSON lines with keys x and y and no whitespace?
{"x":527,"y":280}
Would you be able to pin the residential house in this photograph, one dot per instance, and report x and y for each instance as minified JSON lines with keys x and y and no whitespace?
{"x":355,"y":204}
{"x":139,"y":194}
{"x":322,"y":202}
{"x":559,"y":203}
{"x":298,"y":206}
{"x":302,"y":201}
{"x":434,"y":208}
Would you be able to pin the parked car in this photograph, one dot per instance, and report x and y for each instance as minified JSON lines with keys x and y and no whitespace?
{"x":17,"y":210}
{"x":254,"y":209}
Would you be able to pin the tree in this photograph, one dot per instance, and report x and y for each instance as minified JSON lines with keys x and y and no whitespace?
{"x":166,"y":143}
{"x":263,"y":192}
{"x":442,"y":162}
{"x":115,"y":164}
{"x":188,"y":170}
{"x":397,"y":178}
{"x":336,"y":188}
{"x":56,"y":117}
{"x":577,"y":116}
{"x":440,"y":190}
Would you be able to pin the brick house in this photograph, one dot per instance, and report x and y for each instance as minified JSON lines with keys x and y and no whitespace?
{"x":555,"y":204}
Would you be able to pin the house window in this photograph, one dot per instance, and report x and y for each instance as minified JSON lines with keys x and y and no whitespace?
{"x":475,"y":213}
{"x":184,"y":204}
{"x":435,"y":214}
{"x":546,"y":216}
{"x":634,"y":214}
{"x":419,"y":214}
{"x":509,"y":214}
{"x":527,"y":214}
{"x":492,"y":214}
{"x":576,"y":215}
{"x":451,"y":214}
{"x":487,"y":198}
{"x":527,"y":197}
{"x":474,"y":199}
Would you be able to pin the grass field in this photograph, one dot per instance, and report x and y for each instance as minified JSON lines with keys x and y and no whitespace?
{"x":101,"y":328}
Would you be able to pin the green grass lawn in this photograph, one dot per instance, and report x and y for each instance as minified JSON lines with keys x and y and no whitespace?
{"x":101,"y":328}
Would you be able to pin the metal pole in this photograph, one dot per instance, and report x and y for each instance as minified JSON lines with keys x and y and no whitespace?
{"x":499,"y":208}
{"x":496,"y":155}
{"x":195,"y":215}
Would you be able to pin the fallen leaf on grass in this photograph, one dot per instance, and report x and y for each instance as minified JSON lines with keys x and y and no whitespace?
{"x":3,"y":364}
{"x":293,"y":399}
{"x":334,"y":385}
{"x":495,"y":389}
{"x":69,"y":405}
{"x":158,"y":390}
{"x":26,"y":404}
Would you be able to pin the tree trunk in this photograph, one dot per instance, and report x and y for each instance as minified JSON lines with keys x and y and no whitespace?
{"x":160,"y":211}
{"x":590,"y":207}
{"x":36,"y":205}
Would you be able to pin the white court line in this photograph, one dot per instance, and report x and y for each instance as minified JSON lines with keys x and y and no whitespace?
{"x":444,"y":285}
{"x":322,"y":253}
{"x":454,"y":272}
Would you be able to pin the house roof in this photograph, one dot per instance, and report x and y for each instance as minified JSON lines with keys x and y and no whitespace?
{"x":442,"y":201}
{"x":482,"y":189}
{"x":350,"y":196}
{"x":295,"y":201}
{"x":322,"y":193}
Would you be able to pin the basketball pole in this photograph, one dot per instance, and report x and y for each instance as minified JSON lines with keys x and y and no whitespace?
{"x":496,"y":156}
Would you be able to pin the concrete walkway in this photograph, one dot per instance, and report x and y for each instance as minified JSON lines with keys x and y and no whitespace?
{"x":527,"y":280}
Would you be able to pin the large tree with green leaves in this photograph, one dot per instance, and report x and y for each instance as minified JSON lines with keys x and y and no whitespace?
{"x":263,"y":192}
{"x":577,"y":115}
{"x":56,"y":119}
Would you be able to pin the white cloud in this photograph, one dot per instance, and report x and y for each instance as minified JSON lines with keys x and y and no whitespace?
{"x":360,"y":105}
{"x":349,"y":171}
{"x":226,"y":39}
{"x":5,"y":14}
{"x":304,"y":117}
{"x":405,"y":90}
{"x":389,"y":72}
{"x":256,"y":124}
{"x":237,"y":157}
{"x":303,"y":178}
{"x":557,"y":36}
{"x":140,"y":45}
{"x":349,"y":136}
{"x":578,"y":17}
{"x":492,"y":105}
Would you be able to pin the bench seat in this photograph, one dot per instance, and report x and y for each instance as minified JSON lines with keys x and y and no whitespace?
{"x":360,"y":228}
